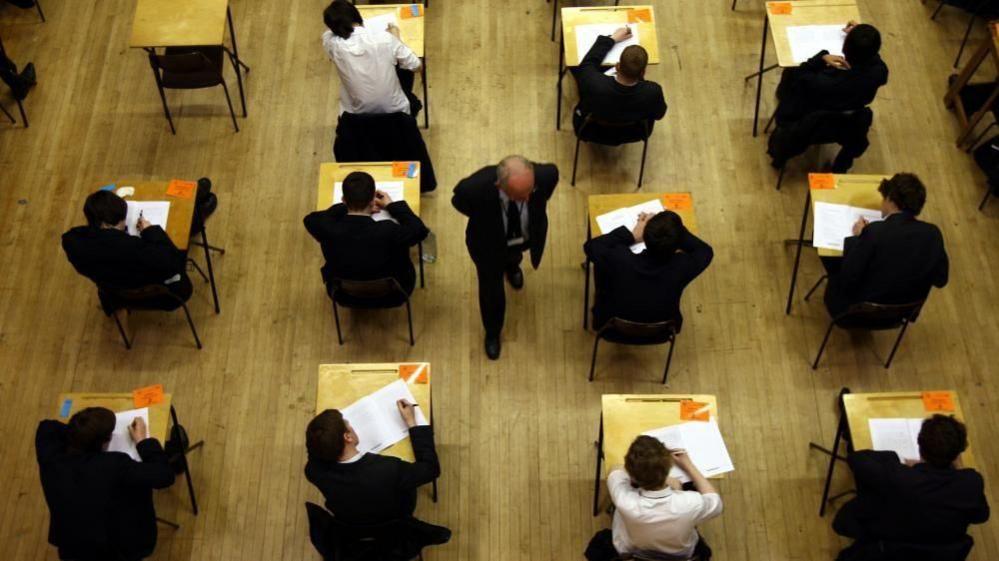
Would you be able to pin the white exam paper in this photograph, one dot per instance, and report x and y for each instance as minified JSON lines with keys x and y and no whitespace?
{"x":703,"y":443}
{"x":394,"y":189}
{"x":121,"y":441}
{"x":376,"y":419}
{"x":586,"y":36}
{"x":628,"y":217}
{"x":381,"y":21}
{"x":834,"y":223}
{"x":155,"y":212}
{"x":807,"y":40}
{"x":896,"y":435}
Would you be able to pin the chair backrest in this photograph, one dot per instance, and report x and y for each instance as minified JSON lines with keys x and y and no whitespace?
{"x":627,"y":131}
{"x":368,"y":289}
{"x":182,"y":63}
{"x":387,"y":541}
{"x":839,"y":127}
{"x":659,"y":556}
{"x":871,"y":315}
{"x":137,"y":295}
{"x":634,"y":333}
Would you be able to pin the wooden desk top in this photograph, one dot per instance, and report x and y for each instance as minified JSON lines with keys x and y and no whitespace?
{"x":181,"y":210}
{"x":342,"y":384}
{"x":627,"y":416}
{"x":602,"y":204}
{"x":571,"y":17}
{"x":178,"y":23}
{"x":861,"y":407}
{"x":330,"y":173}
{"x":849,"y":189}
{"x":806,"y":12}
{"x":411,"y":30}
{"x":159,"y":414}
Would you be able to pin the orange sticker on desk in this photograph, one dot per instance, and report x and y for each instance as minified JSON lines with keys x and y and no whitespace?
{"x":678,"y":201}
{"x":181,"y":189}
{"x":400,"y":169}
{"x":411,"y":11}
{"x":938,"y":401}
{"x":640,"y":15}
{"x":779,"y":8}
{"x":694,"y":411}
{"x":821,"y":181}
{"x":414,"y":373}
{"x":149,"y":395}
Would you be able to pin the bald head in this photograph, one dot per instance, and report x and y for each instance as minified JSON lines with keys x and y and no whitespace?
{"x":515,"y":176}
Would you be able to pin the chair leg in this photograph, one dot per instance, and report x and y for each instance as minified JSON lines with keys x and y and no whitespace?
{"x":190,"y":322}
{"x":211,"y":271}
{"x":898,"y":340}
{"x":232,"y":113}
{"x":555,"y":4}
{"x":985,"y":199}
{"x":773,"y":116}
{"x":825,"y":340}
{"x":336,"y":319}
{"x":641,"y":170}
{"x":669,"y":359}
{"x":13,"y":121}
{"x":937,"y":11}
{"x":964,"y":42}
{"x":121,"y":329}
{"x":409,"y":316}
{"x":593,"y":361}
{"x":24,"y":115}
{"x":733,"y":4}
{"x":809,"y":295}
{"x":38,"y":6}
{"x":166,"y":109}
{"x":198,"y":269}
{"x":575,"y":160}
{"x":780,"y":177}
{"x":979,"y":138}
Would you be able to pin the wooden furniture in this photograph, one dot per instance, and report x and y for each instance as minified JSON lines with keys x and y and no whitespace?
{"x":597,"y":205}
{"x":411,"y":31}
{"x":953,"y":97}
{"x":179,"y":219}
{"x":623,"y":417}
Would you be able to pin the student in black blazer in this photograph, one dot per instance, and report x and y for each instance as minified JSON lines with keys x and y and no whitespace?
{"x":506,"y":209}
{"x":369,"y":489}
{"x":625,"y":97}
{"x":358,"y":247}
{"x":894,"y":261}
{"x":645,"y":287}
{"x":100,"y":503}
{"x":104,"y":252}
{"x":927,"y":502}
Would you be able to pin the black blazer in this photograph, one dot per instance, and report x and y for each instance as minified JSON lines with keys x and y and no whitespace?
{"x":639,"y":287}
{"x":477,"y":197}
{"x":814,"y":86}
{"x":360,"y":248}
{"x":894,"y":261}
{"x":100,"y":504}
{"x":112,"y":257}
{"x":383,"y":137}
{"x":919,"y":504}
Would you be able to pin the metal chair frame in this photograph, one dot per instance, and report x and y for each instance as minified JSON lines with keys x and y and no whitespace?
{"x":334,"y":288}
{"x":599,"y":122}
{"x":616,"y":325}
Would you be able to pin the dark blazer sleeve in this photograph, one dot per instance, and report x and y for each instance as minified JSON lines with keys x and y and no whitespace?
{"x":660,"y":107}
{"x":50,"y":439}
{"x":590,"y":68}
{"x":411,"y":230}
{"x":602,"y":250}
{"x":158,"y":254}
{"x":153,"y":471}
{"x":941,"y":271}
{"x":872,"y":469}
{"x":858,"y":251}
{"x":462,"y":200}
{"x":426,"y":468}
{"x":315,"y":221}
{"x":699,"y":253}
{"x":545,"y":180}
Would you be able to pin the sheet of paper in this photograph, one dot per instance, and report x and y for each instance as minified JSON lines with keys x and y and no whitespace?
{"x":156,"y":212}
{"x":376,"y":419}
{"x":381,"y":21}
{"x":807,"y":40}
{"x":703,"y":443}
{"x":394,"y":189}
{"x":586,"y":36}
{"x":834,"y":223}
{"x":897,"y":435}
{"x":120,"y":439}
{"x":628,"y":217}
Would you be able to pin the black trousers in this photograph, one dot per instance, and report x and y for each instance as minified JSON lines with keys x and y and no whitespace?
{"x":601,"y":548}
{"x":407,"y":79}
{"x":23,"y":3}
{"x":492,"y":292}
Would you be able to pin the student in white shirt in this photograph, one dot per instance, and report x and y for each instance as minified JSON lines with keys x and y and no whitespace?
{"x":376,"y":68}
{"x":653,"y":514}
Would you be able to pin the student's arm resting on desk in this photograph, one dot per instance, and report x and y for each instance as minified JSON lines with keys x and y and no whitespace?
{"x":153,"y":471}
{"x":159,"y":254}
{"x":857,"y":254}
{"x":697,"y":251}
{"x":426,"y":468}
{"x":315,"y":222}
{"x":872,"y":469}
{"x":604,"y":250}
{"x":590,"y":67}
{"x":50,"y":439}
{"x":411,"y":230}
{"x":404,"y":56}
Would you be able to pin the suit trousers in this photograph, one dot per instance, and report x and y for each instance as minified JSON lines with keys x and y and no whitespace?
{"x":407,"y":79}
{"x":492,"y":293}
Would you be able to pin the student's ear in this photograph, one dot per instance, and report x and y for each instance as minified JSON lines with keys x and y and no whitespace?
{"x":617,"y":67}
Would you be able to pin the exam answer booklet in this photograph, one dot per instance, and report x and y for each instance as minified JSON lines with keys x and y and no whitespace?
{"x":896,"y":435}
{"x":121,"y":441}
{"x":376,"y":419}
{"x":703,"y":443}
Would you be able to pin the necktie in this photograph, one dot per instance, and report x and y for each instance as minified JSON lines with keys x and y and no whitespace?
{"x":513,"y":229}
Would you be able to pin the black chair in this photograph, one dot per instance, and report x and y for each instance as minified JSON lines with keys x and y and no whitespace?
{"x":150,"y":297}
{"x":373,"y":294}
{"x":847,"y":128}
{"x":625,"y":332}
{"x":871,"y":316}
{"x":20,"y":103}
{"x":987,"y":158}
{"x":898,"y":551}
{"x":984,"y":9}
{"x":205,"y":204}
{"x":609,"y":133}
{"x":186,"y":68}
{"x":336,"y":541}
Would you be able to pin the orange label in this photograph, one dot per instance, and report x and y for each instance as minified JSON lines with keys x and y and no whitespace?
{"x":779,"y":8}
{"x":640,"y":15}
{"x":149,"y":395}
{"x":938,"y":401}
{"x":678,"y":201}
{"x":821,"y":181}
{"x":181,"y":189}
{"x":411,"y":11}
{"x":693,"y":411}
{"x":407,"y":371}
{"x":400,"y":169}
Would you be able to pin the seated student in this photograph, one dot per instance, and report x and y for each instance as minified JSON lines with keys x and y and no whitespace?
{"x":104,"y":252}
{"x":625,"y":97}
{"x":367,"y":489}
{"x":653,"y":514}
{"x":376,"y":68}
{"x":927,"y":502}
{"x":894,"y":261}
{"x":358,"y":247}
{"x":645,"y":287}
{"x":100,"y":502}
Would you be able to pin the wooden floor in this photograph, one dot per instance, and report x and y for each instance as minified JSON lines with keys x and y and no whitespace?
{"x":515,"y":436}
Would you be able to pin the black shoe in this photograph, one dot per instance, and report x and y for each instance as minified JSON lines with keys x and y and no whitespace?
{"x":516,"y":278}
{"x":492,"y":347}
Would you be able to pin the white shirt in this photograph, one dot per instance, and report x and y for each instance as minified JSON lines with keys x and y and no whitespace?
{"x":505,"y":203}
{"x":353,"y":459}
{"x":661,"y":521}
{"x":366,"y":64}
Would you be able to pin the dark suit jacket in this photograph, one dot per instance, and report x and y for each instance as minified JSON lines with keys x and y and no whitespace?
{"x":477,"y":197}
{"x":639,"y":287}
{"x":383,"y":137}
{"x":100,"y":503}
{"x":814,"y":86}
{"x":894,"y":261}
{"x":360,"y":248}
{"x":919,"y":504}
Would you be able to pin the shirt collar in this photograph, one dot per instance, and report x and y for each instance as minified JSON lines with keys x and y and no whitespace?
{"x":356,"y":457}
{"x":660,"y":494}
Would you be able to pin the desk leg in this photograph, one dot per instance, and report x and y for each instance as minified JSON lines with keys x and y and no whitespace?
{"x":554,"y":16}
{"x":238,"y":62}
{"x":586,"y":284}
{"x":183,"y":458}
{"x":419,"y":255}
{"x":759,"y":77}
{"x":561,"y":73}
{"x":600,"y":457}
{"x":975,"y":118}
{"x":840,"y":430}
{"x":797,"y":254}
{"x":966,"y":73}
{"x":426,"y":96}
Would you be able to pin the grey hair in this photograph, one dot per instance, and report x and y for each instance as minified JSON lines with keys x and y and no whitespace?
{"x":503,"y":169}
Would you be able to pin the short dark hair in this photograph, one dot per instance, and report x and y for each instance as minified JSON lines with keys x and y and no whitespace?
{"x":634,"y":59}
{"x":104,"y":207}
{"x":941,"y":440}
{"x":906,"y":191}
{"x":324,"y":435}
{"x":862,"y":44}
{"x":90,"y":428}
{"x":358,"y":190}
{"x":662,"y":234}
{"x":647,"y":462}
{"x":340,"y":16}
